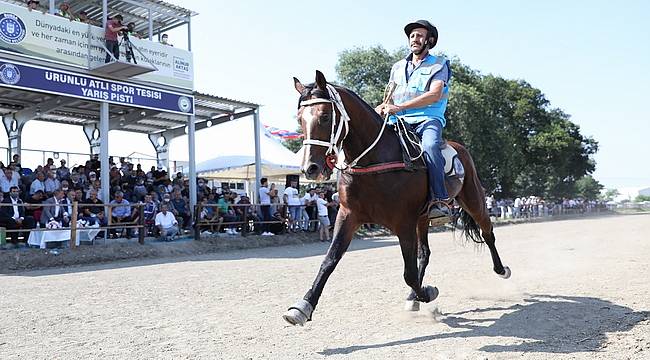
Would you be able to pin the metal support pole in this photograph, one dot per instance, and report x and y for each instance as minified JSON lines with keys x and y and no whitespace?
{"x":52,"y":9}
{"x":103,"y":151}
{"x":104,"y":13}
{"x":150,"y":26}
{"x":189,"y":34}
{"x":258,"y":156}
{"x":192,"y":171}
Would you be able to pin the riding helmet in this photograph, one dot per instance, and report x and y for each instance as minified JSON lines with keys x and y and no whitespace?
{"x":433,"y":32}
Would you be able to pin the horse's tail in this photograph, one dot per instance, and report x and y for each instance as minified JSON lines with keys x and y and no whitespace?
{"x":471,"y":230}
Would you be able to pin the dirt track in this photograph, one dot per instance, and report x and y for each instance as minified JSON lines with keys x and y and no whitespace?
{"x":580,"y":289}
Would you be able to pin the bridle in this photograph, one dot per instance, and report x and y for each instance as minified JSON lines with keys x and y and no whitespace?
{"x":335,"y":145}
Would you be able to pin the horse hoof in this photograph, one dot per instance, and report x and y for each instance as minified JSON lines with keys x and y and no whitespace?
{"x":299,"y":313}
{"x":295,"y":317}
{"x":432,"y":292}
{"x":411,"y":305}
{"x":506,"y":273}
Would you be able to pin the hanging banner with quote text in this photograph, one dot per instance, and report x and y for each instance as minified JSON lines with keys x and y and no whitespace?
{"x":38,"y":78}
{"x":55,"y":38}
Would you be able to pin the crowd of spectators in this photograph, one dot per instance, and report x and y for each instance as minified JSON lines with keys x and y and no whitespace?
{"x":60,"y":186}
{"x":535,"y":206}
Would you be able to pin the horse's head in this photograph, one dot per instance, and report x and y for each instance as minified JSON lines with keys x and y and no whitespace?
{"x":324,"y":128}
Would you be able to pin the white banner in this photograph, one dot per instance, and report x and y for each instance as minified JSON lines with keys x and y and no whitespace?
{"x":55,"y":38}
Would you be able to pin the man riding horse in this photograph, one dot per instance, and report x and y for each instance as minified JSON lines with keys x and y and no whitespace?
{"x":420,"y":99}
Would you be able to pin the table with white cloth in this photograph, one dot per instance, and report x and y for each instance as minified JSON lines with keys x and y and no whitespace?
{"x":41,"y":238}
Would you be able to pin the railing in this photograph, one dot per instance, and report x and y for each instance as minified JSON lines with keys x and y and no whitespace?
{"x":73,"y":218}
{"x":249,"y":219}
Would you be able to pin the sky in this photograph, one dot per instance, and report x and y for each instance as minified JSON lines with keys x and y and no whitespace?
{"x":589,"y":58}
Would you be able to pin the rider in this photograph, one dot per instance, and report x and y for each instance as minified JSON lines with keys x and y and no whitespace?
{"x":420,"y":98}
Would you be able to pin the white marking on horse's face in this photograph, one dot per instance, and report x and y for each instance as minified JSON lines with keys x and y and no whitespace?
{"x":308,"y":118}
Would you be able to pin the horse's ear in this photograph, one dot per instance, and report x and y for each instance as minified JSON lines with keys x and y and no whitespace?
{"x":320,"y":80}
{"x":298,"y":85}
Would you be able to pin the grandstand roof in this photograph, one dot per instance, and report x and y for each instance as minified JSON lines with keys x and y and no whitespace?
{"x":165,"y":16}
{"x":75,"y":111}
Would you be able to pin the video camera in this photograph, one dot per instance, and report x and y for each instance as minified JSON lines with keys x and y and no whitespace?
{"x":130,"y":29}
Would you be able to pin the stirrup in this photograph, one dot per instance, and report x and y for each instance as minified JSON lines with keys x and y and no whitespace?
{"x":439,"y":209}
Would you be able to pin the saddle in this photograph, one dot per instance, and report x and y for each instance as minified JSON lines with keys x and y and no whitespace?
{"x":453,"y":166}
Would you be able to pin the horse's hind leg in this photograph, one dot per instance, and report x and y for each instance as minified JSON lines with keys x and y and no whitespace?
{"x":479,"y":218}
{"x":423,"y":260}
{"x":344,"y":229}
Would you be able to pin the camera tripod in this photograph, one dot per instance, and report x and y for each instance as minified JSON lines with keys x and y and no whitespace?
{"x":129,"y":48}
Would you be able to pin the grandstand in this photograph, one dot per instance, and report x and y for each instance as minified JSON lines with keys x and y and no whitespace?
{"x":52,"y":69}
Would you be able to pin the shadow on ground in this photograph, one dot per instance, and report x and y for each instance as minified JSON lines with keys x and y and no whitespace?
{"x":543,"y":324}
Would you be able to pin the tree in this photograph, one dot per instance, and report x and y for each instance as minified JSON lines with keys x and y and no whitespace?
{"x":293,"y":144}
{"x":366,"y":71}
{"x":610,"y":194}
{"x":588,"y":187}
{"x":641,"y":198}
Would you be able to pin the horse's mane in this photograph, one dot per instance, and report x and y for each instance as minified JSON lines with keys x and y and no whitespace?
{"x":312,"y":90}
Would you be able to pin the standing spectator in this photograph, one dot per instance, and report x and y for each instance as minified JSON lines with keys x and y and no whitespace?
{"x":113,"y":27}
{"x":34,"y":5}
{"x":265,"y":208}
{"x":83,"y":17}
{"x":292,"y":200}
{"x":64,"y":11}
{"x":166,"y":223}
{"x":121,"y":214}
{"x":323,"y":217}
{"x":164,"y":39}
{"x":63,"y":173}
{"x":8,"y":179}
{"x":309,"y":209}
{"x":51,"y":183}
{"x":13,"y":217}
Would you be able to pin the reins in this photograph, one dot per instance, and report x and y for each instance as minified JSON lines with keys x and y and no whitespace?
{"x":335,"y":145}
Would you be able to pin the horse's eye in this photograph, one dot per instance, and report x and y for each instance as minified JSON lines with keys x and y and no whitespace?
{"x":325,"y":118}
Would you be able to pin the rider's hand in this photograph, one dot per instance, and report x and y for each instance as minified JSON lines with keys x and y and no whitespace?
{"x":391,"y":109}
{"x":380,"y":109}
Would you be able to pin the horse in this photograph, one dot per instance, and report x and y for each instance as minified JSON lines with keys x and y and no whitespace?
{"x":376,"y":187}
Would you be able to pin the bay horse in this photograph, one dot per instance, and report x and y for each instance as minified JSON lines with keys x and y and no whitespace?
{"x":374,"y":187}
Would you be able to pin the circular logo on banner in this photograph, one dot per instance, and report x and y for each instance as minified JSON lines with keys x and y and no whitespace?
{"x":12,"y":29}
{"x":9,"y":74}
{"x":184,"y":104}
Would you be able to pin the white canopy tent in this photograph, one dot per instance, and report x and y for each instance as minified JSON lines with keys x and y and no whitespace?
{"x":235,"y":158}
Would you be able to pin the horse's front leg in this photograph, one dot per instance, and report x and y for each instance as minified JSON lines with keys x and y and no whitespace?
{"x":344,"y":229}
{"x":409,"y":244}
{"x":423,"y":260}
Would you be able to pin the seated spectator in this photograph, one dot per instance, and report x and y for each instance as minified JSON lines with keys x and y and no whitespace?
{"x":139,"y":190}
{"x":166,"y":224}
{"x":14,"y":217}
{"x":34,"y":209}
{"x":149,"y":213}
{"x":8,"y":179}
{"x":122,"y":214}
{"x":227,"y":213}
{"x":38,"y":184}
{"x":57,"y":212}
{"x":181,"y":209}
{"x":246,"y":211}
{"x":51,"y":183}
{"x":76,"y":182}
{"x":210,"y":215}
{"x":91,"y":207}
